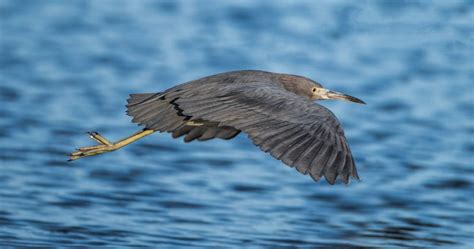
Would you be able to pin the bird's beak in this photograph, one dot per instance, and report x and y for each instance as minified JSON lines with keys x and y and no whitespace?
{"x":328,"y":94}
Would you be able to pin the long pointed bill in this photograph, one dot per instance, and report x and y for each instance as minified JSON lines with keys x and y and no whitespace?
{"x":335,"y":95}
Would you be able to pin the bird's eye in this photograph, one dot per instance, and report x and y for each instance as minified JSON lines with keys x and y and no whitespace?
{"x":314,"y":89}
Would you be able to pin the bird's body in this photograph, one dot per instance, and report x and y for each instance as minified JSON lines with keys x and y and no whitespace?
{"x":276,"y":111}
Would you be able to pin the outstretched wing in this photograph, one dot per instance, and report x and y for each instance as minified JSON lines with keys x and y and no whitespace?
{"x":297,"y":131}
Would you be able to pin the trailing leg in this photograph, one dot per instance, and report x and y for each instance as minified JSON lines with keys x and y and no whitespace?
{"x":105,"y":145}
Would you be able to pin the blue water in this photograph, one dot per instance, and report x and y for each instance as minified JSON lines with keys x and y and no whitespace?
{"x":67,"y":67}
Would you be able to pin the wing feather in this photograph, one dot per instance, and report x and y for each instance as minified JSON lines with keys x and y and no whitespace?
{"x":295,"y":130}
{"x":303,"y":164}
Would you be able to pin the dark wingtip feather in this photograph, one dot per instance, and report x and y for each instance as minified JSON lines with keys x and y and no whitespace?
{"x":330,"y":178}
{"x":354,"y":173}
{"x":330,"y":174}
{"x":344,"y":178}
{"x":315,"y":178}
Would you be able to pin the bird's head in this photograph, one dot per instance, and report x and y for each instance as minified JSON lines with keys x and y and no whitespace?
{"x":312,"y":89}
{"x":321,"y":93}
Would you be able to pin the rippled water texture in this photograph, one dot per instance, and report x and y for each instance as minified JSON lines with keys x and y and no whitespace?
{"x":67,"y":67}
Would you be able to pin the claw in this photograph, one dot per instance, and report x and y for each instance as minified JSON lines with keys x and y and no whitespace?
{"x":92,"y":133}
{"x":98,"y":138}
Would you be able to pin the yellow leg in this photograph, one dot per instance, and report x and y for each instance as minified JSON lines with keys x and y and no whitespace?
{"x":105,"y":145}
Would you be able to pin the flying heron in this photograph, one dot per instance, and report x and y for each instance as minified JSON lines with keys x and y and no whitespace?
{"x":277,"y":111}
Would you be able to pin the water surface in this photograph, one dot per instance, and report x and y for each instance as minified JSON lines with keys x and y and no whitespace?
{"x":66,"y":67}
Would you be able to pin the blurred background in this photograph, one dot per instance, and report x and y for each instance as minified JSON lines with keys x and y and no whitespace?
{"x":67,"y":67}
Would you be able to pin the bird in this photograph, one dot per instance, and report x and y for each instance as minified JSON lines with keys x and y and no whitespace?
{"x":277,"y":111}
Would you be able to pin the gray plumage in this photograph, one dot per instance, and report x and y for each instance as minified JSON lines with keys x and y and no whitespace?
{"x":276,"y":111}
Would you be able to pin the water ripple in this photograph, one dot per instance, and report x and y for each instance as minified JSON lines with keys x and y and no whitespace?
{"x":67,"y":67}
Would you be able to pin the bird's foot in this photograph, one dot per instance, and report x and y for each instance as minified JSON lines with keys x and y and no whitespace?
{"x":103,"y":147}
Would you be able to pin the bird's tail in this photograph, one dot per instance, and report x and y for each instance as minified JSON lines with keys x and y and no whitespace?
{"x":139,"y":98}
{"x":144,"y":107}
